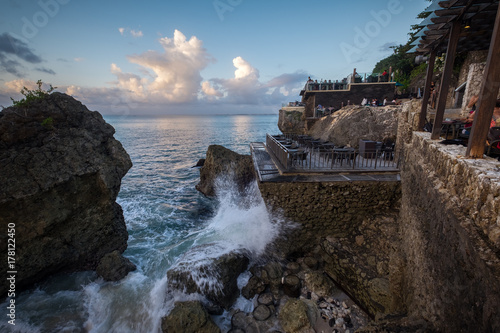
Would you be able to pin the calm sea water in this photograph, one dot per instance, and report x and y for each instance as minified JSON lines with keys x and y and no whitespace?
{"x":165,"y":217}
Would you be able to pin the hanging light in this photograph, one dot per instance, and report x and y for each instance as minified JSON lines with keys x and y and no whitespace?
{"x":467,"y":24}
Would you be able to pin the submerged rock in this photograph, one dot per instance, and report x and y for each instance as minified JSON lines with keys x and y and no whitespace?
{"x":226,"y":166}
{"x":60,"y":170}
{"x":188,"y":317}
{"x":113,"y":267}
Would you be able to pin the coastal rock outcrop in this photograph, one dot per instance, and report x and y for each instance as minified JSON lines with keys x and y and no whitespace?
{"x":352,"y":123}
{"x":193,"y":276}
{"x":188,"y":317}
{"x":114,"y":267}
{"x":224,"y":167}
{"x":61,"y":171}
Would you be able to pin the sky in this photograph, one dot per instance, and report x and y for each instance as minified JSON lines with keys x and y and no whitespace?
{"x":193,"y":57}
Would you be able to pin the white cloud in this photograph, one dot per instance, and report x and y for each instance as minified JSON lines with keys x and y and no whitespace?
{"x":133,"y":33}
{"x":176,"y":70}
{"x":172,"y":77}
{"x":244,"y":70}
{"x":208,"y":90}
{"x":78,"y":59}
{"x":136,"y":33}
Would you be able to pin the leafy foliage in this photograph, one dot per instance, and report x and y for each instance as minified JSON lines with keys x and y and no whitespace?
{"x":32,"y":95}
{"x":403,"y":64}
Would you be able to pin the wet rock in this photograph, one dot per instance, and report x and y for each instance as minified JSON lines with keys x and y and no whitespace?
{"x":223,"y":167}
{"x":113,"y":266}
{"x":188,"y":317}
{"x":244,"y":322}
{"x":60,"y":174}
{"x":262,"y":312}
{"x":266,"y":299}
{"x":291,"y":286}
{"x":271,"y":271}
{"x":254,"y":286}
{"x":192,"y":277}
{"x":293,"y":267}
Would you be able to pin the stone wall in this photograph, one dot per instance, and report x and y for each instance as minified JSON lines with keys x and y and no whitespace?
{"x":474,"y":81}
{"x":449,"y":268}
{"x":350,"y":225}
{"x":354,"y":95}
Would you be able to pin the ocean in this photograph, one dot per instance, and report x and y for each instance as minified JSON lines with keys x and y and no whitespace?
{"x":165,"y":217}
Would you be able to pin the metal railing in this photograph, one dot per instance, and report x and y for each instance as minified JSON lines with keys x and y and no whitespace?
{"x":312,"y":158}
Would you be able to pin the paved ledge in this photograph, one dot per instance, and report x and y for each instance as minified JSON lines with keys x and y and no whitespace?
{"x":267,"y":171}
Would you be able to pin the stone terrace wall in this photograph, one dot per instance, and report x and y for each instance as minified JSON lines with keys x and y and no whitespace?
{"x":351,"y":225}
{"x":450,"y":234}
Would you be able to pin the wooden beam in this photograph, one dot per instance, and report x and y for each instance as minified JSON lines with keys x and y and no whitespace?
{"x":427,"y":90}
{"x":445,"y":80}
{"x":487,"y":96}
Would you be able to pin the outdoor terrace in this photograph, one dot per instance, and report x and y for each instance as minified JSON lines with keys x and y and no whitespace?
{"x":303,"y":155}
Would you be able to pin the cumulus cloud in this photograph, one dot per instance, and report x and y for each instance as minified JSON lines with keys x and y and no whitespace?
{"x":171,"y":77}
{"x":12,"y":50}
{"x":176,"y":70}
{"x":209,"y":90}
{"x":247,"y":89}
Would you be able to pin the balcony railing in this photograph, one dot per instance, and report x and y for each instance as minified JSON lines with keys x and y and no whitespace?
{"x":316,"y":156}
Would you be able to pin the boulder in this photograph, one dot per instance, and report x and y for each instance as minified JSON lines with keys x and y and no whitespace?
{"x":188,"y":317}
{"x":298,"y":316}
{"x":61,"y":171}
{"x":352,"y":123}
{"x":113,"y":266}
{"x":199,"y":277}
{"x":223,"y":167}
{"x":319,"y":283}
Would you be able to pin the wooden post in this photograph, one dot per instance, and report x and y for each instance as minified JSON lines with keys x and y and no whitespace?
{"x":487,"y":96}
{"x":445,"y":80}
{"x":427,"y":90}
{"x":390,"y":74}
{"x":353,"y":76}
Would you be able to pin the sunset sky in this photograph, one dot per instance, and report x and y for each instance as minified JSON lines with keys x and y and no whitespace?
{"x":204,"y":56}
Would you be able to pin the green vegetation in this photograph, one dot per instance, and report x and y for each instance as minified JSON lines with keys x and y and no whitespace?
{"x":403,"y":64}
{"x":32,"y":95}
{"x":48,"y":122}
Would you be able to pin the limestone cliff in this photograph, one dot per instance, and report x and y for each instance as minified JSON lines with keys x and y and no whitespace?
{"x":224,"y":167}
{"x":352,"y":123}
{"x":60,"y":174}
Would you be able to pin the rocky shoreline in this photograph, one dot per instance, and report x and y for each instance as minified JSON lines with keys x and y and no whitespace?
{"x":293,"y":297}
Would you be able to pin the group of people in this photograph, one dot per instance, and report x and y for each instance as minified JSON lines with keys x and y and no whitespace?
{"x":495,"y":119}
{"x":375,"y":102}
{"x":324,"y":84}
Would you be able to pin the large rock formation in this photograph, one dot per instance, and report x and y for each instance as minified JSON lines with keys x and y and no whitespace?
{"x":224,"y":167}
{"x":199,"y":276}
{"x":60,"y":170}
{"x":352,"y":123}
